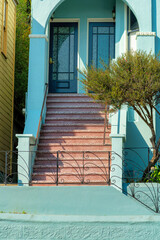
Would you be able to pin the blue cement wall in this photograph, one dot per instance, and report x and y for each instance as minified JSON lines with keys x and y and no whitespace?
{"x":15,"y":226}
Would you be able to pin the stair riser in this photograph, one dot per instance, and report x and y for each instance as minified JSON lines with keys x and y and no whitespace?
{"x":76,"y":134}
{"x":75,"y":148}
{"x":73,"y":184}
{"x":71,"y":155}
{"x":72,"y":179}
{"x":75,"y":116}
{"x":80,"y":127}
{"x":63,"y":98}
{"x":72,"y":168}
{"x":74,"y":104}
{"x":73,"y":141}
{"x":73,"y":109}
{"x":65,"y":164}
{"x":72,"y":122}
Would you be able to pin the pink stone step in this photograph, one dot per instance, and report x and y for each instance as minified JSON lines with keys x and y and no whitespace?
{"x":75,"y":148}
{"x":75,"y":104}
{"x":51,"y":141}
{"x":67,"y":178}
{"x":75,"y":133}
{"x":73,"y":170}
{"x":72,"y":122}
{"x":72,"y":155}
{"x":70,"y":127}
{"x":72,"y":115}
{"x":52,"y":163}
{"x":72,"y":109}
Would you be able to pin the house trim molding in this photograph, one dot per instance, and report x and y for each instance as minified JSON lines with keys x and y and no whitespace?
{"x":145,"y":34}
{"x":39,"y":36}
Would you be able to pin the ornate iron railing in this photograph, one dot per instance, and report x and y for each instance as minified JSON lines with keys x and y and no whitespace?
{"x":86,"y":167}
{"x":145,"y":190}
{"x":57,"y":168}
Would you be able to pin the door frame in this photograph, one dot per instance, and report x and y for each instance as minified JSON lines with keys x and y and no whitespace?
{"x":68,"y":20}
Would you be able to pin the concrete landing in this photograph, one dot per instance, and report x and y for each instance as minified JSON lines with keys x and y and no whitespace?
{"x":80,"y":200}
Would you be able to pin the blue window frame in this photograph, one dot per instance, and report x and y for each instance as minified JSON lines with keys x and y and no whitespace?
{"x":101,"y":43}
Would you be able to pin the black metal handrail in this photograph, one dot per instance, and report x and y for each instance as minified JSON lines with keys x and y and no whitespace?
{"x":106,"y":123}
{"x":40,"y":118}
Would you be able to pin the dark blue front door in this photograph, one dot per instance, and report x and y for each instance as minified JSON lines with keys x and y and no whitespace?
{"x":101,"y":43}
{"x":63,"y":58}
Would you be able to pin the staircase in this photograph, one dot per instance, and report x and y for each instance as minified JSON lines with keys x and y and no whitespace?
{"x":70,"y":149}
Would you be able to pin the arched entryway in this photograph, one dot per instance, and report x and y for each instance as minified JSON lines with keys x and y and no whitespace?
{"x":91,"y":32}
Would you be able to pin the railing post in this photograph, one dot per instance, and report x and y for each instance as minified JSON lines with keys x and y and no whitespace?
{"x":5,"y":180}
{"x":57,"y":167}
{"x":105,"y":124}
{"x":83,"y":168}
{"x":148,"y":160}
{"x":109,"y":168}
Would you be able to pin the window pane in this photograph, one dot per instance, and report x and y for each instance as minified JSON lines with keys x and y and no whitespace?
{"x":63,"y":30}
{"x":63,"y":53}
{"x":63,"y":76}
{"x":112,"y":46}
{"x":55,"y":53}
{"x":55,"y":29}
{"x":103,"y":49}
{"x":71,"y":30}
{"x":71,"y":76}
{"x":94,"y":50}
{"x":103,"y":30}
{"x":54,"y":76}
{"x":112,"y":30}
{"x":94,"y":29}
{"x":71,"y":53}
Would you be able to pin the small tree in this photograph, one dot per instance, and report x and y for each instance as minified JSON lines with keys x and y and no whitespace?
{"x":22,"y":52}
{"x":133,"y":79}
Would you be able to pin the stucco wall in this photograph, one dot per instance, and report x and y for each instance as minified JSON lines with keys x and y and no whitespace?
{"x":14,"y":226}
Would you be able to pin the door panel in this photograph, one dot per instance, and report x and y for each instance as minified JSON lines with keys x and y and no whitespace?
{"x":101,"y":43}
{"x":63,"y":57}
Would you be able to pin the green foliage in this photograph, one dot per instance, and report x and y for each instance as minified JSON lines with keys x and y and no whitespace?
{"x":22,"y":52}
{"x":132,"y":79}
{"x":155,"y":175}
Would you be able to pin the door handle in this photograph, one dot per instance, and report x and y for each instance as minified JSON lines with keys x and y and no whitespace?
{"x":51,"y":61}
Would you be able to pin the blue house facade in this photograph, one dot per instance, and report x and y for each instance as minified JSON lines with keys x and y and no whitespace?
{"x":68,"y":35}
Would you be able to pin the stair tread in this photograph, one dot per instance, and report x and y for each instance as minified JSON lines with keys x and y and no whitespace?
{"x":65,"y":174}
{"x":71,"y":137}
{"x":75,"y":124}
{"x":67,"y":95}
{"x":80,"y":100}
{"x":76,"y":113}
{"x":75,"y":118}
{"x":76,"y":106}
{"x":72,"y":131}
{"x":65,"y":167}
